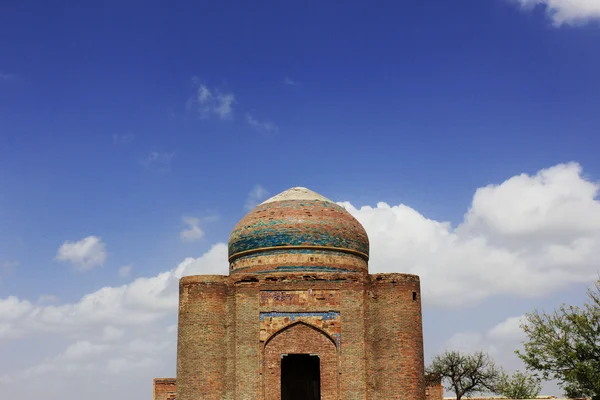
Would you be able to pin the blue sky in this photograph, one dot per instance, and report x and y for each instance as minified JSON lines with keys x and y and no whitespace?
{"x":117,"y":121}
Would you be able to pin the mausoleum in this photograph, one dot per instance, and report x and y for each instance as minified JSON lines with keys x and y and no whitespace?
{"x":299,"y":316}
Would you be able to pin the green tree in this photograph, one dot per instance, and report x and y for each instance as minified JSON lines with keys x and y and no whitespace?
{"x":519,"y":385}
{"x":565,"y":345}
{"x":466,"y":374}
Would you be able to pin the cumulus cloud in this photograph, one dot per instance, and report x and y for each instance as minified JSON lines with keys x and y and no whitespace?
{"x":211,"y":101}
{"x":566,"y":11}
{"x":264,"y":126}
{"x":500,"y":341}
{"x":528,"y":236}
{"x":192,"y":232}
{"x":84,"y":254}
{"x":255,"y":197}
{"x":140,"y":302}
{"x":119,"y":338}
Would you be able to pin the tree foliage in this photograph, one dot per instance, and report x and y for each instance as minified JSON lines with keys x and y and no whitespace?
{"x":565,"y":345}
{"x":519,"y":385}
{"x":466,"y":374}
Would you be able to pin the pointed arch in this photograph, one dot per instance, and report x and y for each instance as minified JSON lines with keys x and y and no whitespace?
{"x":300,"y":337}
{"x":295,"y":323}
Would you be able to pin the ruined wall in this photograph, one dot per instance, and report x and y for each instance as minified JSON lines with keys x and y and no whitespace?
{"x":394,"y":338}
{"x":202,"y":338}
{"x":164,"y":389}
{"x":434,"y":390}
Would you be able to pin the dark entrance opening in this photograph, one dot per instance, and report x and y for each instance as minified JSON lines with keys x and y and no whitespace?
{"x":300,"y":377}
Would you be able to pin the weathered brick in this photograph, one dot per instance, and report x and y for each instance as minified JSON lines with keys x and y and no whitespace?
{"x":304,"y":291}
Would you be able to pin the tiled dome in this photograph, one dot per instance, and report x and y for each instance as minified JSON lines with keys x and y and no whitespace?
{"x":298,"y":221}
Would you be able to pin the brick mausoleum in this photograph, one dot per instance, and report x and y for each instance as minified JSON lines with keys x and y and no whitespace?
{"x":299,"y":316}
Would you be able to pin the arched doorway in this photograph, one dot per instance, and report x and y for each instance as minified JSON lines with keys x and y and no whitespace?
{"x":300,"y":360}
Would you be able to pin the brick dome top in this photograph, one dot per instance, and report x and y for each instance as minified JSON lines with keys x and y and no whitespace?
{"x":298,"y":219}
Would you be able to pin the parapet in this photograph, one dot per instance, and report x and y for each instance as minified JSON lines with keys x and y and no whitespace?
{"x":191,"y":279}
{"x":394,"y":277}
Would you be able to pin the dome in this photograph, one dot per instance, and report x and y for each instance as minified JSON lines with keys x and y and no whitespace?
{"x":297,"y":230}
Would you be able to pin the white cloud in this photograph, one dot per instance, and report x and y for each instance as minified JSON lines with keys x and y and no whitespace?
{"x":255,"y":197}
{"x":509,"y":329}
{"x":158,"y":162}
{"x":125,"y":271}
{"x":143,"y":301}
{"x":85,"y":254}
{"x":265,"y":126}
{"x":119,"y":337}
{"x":566,"y":11}
{"x":223,"y":107}
{"x":211,"y":101}
{"x":193,"y":232}
{"x":528,"y":236}
{"x":12,"y":308}
{"x":110,"y":333}
{"x":514,"y":241}
{"x":83,"y":348}
{"x":500,"y":342}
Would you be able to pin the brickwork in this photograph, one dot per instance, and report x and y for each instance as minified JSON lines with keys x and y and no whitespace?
{"x":354,"y":372}
{"x":323,"y":225}
{"x":434,"y":390}
{"x":299,"y":284}
{"x":310,"y":298}
{"x":300,"y":338}
{"x":298,"y":260}
{"x":201,"y":346}
{"x":327,"y":321}
{"x":395,"y":337}
{"x":247,"y":346}
{"x":164,"y":389}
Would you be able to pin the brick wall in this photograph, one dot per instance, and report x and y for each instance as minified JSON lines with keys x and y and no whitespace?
{"x":331,"y":303}
{"x":354,"y":369}
{"x":300,"y":338}
{"x":247,"y":348}
{"x":233,"y":330}
{"x":434,"y":390}
{"x":395,"y":338}
{"x":201,"y":342}
{"x":164,"y":389}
